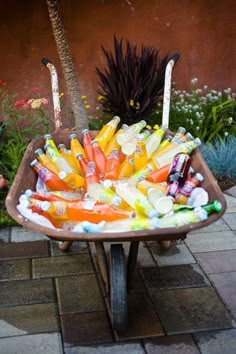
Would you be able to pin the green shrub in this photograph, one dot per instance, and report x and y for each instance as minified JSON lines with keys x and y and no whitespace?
{"x":23,"y":118}
{"x":221,"y":157}
{"x":96,"y":123}
{"x":21,"y":121}
{"x":6,"y":220}
{"x":11,"y":154}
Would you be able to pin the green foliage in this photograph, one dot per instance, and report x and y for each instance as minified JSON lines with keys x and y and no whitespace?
{"x":220,"y":156}
{"x":3,"y":194}
{"x":11,"y":154}
{"x":131,"y":83}
{"x":98,"y":122}
{"x":205,"y":113}
{"x":6,"y":220}
{"x":21,"y":121}
{"x":95,"y":124}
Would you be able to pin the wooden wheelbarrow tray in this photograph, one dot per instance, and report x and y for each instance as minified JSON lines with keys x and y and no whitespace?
{"x":118,"y":276}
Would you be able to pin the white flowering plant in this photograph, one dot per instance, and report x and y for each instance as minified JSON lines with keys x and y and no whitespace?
{"x":204,"y":112}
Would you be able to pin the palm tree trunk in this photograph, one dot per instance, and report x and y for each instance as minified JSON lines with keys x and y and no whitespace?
{"x":77,"y":105}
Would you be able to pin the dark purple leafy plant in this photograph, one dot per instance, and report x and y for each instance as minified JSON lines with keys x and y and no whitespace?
{"x":132,"y":82}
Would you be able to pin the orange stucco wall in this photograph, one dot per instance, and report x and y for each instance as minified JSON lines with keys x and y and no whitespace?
{"x":202,"y":31}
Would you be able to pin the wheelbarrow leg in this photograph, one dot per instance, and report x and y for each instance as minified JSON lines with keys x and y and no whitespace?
{"x":102,"y":264}
{"x":118,"y":286}
{"x":165,"y":245}
{"x":132,"y":260}
{"x":65,"y":245}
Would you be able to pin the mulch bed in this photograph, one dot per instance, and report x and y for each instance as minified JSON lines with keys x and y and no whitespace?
{"x":226,"y":183}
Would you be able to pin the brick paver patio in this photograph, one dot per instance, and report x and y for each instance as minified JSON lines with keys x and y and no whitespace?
{"x":183,"y":300}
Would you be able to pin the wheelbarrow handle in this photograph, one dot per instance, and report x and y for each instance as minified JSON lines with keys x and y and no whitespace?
{"x":175,"y":57}
{"x":46,"y":61}
{"x":55,"y":92}
{"x":167,"y":89}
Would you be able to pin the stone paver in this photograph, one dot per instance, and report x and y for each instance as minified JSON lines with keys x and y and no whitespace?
{"x":85,"y":328}
{"x":217,"y":342}
{"x":225,"y":284}
{"x":145,"y":258}
{"x":78,"y":294}
{"x":20,"y":234}
{"x":231,"y":191}
{"x":61,"y":266}
{"x":231,"y":204}
{"x":181,"y":276}
{"x":216,"y":241}
{"x":190,"y":310}
{"x":126,"y":348}
{"x":136,"y":284}
{"x":219,"y":225}
{"x":171,"y":300}
{"x":24,"y":250}
{"x":142,"y":319}
{"x":217,"y":262}
{"x":28,"y":319}
{"x":5,"y":234}
{"x":230,"y":219}
{"x":177,"y":254}
{"x":76,"y":248}
{"x":49,"y":343}
{"x":22,"y":292}
{"x":14,"y":269}
{"x":182,"y":344}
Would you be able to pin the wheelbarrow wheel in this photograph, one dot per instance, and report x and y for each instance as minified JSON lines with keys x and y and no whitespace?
{"x":118,"y":285}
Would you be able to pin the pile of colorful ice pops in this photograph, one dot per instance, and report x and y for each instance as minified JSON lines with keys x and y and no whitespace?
{"x":123,"y":179}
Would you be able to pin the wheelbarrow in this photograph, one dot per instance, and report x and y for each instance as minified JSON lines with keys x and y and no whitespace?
{"x":116,"y":274}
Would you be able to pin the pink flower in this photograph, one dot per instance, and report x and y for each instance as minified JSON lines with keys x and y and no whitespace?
{"x":44,"y":100}
{"x":2,"y":83}
{"x":21,"y":103}
{"x":2,"y":181}
{"x":26,"y":105}
{"x":35,"y":89}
